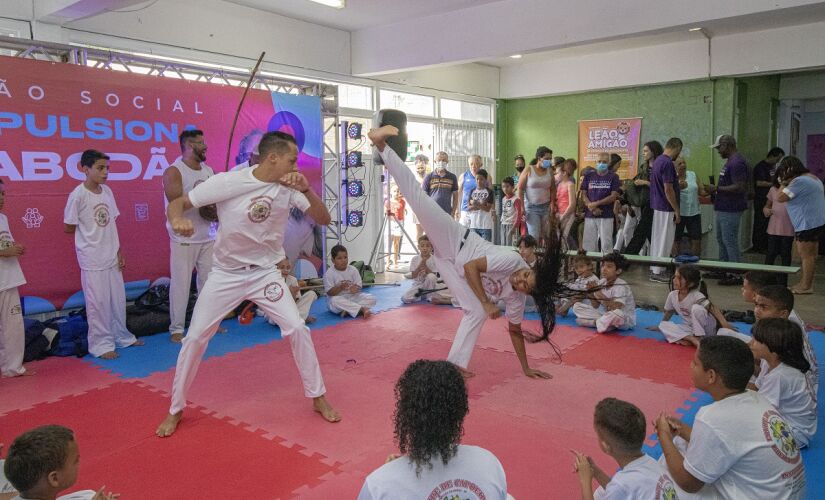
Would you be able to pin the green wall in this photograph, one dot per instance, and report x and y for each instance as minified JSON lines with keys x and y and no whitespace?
{"x":756,"y":98}
{"x":685,"y":110}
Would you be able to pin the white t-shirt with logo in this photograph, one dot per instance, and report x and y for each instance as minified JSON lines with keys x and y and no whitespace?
{"x":333,"y":277}
{"x":501,"y":263}
{"x":472,"y":474}
{"x":620,"y":292}
{"x":508,"y":210}
{"x":789,"y":391}
{"x":95,"y":239}
{"x":415,"y":262}
{"x":745,"y":448}
{"x":682,"y":307}
{"x":481,"y":219}
{"x":189,"y":179}
{"x":641,"y":479}
{"x":813,"y":374}
{"x":253,"y":217}
{"x":11,"y":275}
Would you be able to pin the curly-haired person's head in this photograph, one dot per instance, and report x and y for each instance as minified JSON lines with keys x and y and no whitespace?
{"x":431,"y":403}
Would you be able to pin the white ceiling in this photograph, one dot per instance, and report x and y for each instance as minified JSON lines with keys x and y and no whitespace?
{"x":359,"y":14}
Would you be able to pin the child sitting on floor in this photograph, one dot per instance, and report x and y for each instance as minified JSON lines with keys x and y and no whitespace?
{"x":43,"y":462}
{"x":617,"y":309}
{"x":424,"y":272}
{"x":777,"y":346}
{"x":342,"y":283}
{"x":689,"y":300}
{"x":620,"y":427}
{"x":303,"y":301}
{"x":585,"y":279}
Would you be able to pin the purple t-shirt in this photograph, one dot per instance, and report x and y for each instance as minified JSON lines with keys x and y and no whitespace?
{"x":662,"y":172}
{"x":598,"y":187}
{"x":735,"y":171}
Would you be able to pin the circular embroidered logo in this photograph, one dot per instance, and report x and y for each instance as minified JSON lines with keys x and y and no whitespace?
{"x":665,"y":490}
{"x":5,"y":240}
{"x":101,"y":215}
{"x":779,"y":433}
{"x":259,"y":209}
{"x":273,"y":292}
{"x":492,"y":287}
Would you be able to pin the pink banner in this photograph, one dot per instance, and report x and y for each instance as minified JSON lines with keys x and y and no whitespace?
{"x":50,"y":113}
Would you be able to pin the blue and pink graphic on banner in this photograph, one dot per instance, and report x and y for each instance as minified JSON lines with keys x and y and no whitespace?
{"x":50,"y":113}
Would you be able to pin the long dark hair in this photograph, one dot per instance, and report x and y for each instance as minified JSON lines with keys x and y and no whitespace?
{"x":784,"y":338}
{"x":792,"y":168}
{"x":693,"y":276}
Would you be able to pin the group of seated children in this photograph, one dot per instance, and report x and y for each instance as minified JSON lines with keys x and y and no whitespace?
{"x":608,"y":304}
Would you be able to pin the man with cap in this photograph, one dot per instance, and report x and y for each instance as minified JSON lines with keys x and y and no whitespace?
{"x":730,"y":203}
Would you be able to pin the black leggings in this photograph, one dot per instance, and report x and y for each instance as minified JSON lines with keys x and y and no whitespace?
{"x":779,"y":246}
{"x":642,"y":232}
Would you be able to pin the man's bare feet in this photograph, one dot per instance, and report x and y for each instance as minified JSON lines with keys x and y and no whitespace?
{"x":169,"y":424}
{"x":109,"y":355}
{"x":176,"y":338}
{"x":310,"y":320}
{"x":366,"y":312}
{"x":322,"y":406}
{"x":137,"y":343}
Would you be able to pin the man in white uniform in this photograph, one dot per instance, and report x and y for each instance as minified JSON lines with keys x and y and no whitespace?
{"x":253,"y":205}
{"x":478,"y":273}
{"x":187,"y":252}
{"x":90,"y":215}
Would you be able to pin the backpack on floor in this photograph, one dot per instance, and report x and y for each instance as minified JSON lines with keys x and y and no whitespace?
{"x":37,"y":344}
{"x":72,"y":334}
{"x":366,"y":272}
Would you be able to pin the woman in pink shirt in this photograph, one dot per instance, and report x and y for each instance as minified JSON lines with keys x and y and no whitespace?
{"x":780,"y":229}
{"x":566,"y":199}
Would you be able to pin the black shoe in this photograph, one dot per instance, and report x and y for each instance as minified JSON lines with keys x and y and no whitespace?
{"x":715,"y":275}
{"x":749,"y":318}
{"x":731,"y":281}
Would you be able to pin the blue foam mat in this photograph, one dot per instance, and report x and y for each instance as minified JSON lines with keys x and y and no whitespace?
{"x":159,"y":354}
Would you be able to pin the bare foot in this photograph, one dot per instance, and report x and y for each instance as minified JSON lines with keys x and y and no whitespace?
{"x":366,"y":312}
{"x":137,"y":343}
{"x":322,"y":406}
{"x":176,"y":338}
{"x":310,"y":320}
{"x":109,"y":355}
{"x":28,"y":373}
{"x":465,"y":372}
{"x":169,"y":424}
{"x":683,"y":342}
{"x":343,"y":314}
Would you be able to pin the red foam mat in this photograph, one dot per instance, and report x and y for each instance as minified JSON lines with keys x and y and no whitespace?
{"x":637,"y":358}
{"x":207,"y":457}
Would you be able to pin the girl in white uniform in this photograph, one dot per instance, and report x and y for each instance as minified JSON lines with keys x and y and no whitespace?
{"x":12,"y":332}
{"x":253,"y":205}
{"x":478,"y":273}
{"x":193,"y":251}
{"x":342,"y":283}
{"x":90,"y":214}
{"x":689,"y":300}
{"x":777,"y":344}
{"x":617,"y":309}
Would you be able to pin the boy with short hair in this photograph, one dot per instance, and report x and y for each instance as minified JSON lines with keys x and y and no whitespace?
{"x":90,"y":215}
{"x":342,"y":283}
{"x":45,"y":461}
{"x":424,"y":272}
{"x":12,"y":331}
{"x":617,"y":309}
{"x":511,"y":212}
{"x":481,"y":207}
{"x":621,"y":429}
{"x":739,"y":443}
{"x":585,"y":279}
{"x":303,"y":301}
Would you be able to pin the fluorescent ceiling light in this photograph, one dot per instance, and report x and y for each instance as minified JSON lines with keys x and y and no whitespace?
{"x":338,"y":4}
{"x":515,"y":56}
{"x":695,"y":29}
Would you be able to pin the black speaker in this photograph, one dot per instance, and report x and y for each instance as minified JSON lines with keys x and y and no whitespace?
{"x":397,"y":119}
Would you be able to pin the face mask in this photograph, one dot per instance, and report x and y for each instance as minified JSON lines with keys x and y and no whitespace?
{"x":601,"y":167}
{"x":440,"y":165}
{"x":545,"y":163}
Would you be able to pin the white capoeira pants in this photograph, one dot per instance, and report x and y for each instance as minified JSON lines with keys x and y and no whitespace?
{"x":304,"y":303}
{"x":661,"y":237}
{"x":447,"y":237}
{"x":605,"y":320}
{"x":12,"y":334}
{"x":105,"y":296}
{"x":625,"y":234}
{"x":430,"y":282}
{"x":702,"y":324}
{"x":223,"y":291}
{"x":596,"y":230}
{"x":350,"y":303}
{"x":183,"y":257}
